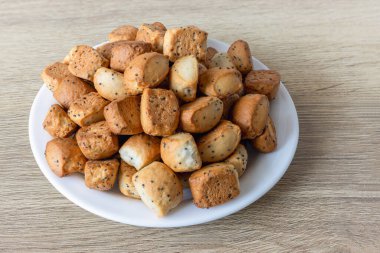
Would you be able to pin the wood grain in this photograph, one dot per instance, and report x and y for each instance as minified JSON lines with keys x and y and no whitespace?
{"x":328,"y":55}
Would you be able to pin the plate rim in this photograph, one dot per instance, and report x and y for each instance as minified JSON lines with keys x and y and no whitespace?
{"x":229,"y":211}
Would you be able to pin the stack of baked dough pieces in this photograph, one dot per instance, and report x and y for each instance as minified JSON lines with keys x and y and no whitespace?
{"x":159,"y":111}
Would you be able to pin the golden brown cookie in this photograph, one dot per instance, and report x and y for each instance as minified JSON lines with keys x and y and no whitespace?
{"x":53,"y":74}
{"x":201,"y":115}
{"x":64,"y":156}
{"x":264,"y":82}
{"x":126,"y":185}
{"x":153,"y":34}
{"x":221,"y":82}
{"x":214,"y":185}
{"x":219,"y":143}
{"x":267,"y":141}
{"x":70,"y":89}
{"x":184,"y":41}
{"x":96,"y":141}
{"x":57,"y":123}
{"x":146,"y":70}
{"x":101,"y":175}
{"x":84,"y":61}
{"x":159,"y":112}
{"x":221,"y":60}
{"x":123,"y":116}
{"x":124,"y":32}
{"x":123,"y":53}
{"x":250,"y":113}
{"x":238,"y":159}
{"x":240,"y":55}
{"x":87,"y":109}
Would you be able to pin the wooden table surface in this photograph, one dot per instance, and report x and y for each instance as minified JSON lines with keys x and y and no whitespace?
{"x":328,"y":53}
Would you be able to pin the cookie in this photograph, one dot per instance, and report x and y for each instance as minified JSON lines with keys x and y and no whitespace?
{"x":57,"y":123}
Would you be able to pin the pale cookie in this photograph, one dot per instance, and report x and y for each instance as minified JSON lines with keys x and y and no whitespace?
{"x":110,"y":84}
{"x":184,"y":78}
{"x":158,"y":187}
{"x":180,"y":152}
{"x":140,"y":150}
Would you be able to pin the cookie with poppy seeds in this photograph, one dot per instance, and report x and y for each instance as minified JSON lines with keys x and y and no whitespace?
{"x":140,"y":150}
{"x":238,"y":159}
{"x":87,"y":109}
{"x":159,"y":112}
{"x":221,"y":60}
{"x":84,"y":61}
{"x":214,"y":184}
{"x":158,"y":187}
{"x":201,"y":115}
{"x":110,"y":84}
{"x":96,"y":141}
{"x":220,"y":82}
{"x":179,"y":152}
{"x":126,"y":185}
{"x":182,"y":41}
{"x":64,"y":156}
{"x":250,"y":113}
{"x":57,"y":123}
{"x":70,"y":89}
{"x":266,"y":82}
{"x":153,"y":34}
{"x":124,"y":32}
{"x":220,"y":142}
{"x":123,"y":116}
{"x":184,"y":78}
{"x":240,"y":55}
{"x":123,"y":53}
{"x":53,"y":74}
{"x":267,"y":141}
{"x":101,"y":175}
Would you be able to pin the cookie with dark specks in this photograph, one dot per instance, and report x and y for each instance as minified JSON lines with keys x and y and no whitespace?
{"x":64,"y":156}
{"x":158,"y":187}
{"x":159,"y":112}
{"x":57,"y":123}
{"x":214,"y":185}
{"x":101,"y":175}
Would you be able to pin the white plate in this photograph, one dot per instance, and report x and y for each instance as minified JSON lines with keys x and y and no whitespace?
{"x":263,"y":171}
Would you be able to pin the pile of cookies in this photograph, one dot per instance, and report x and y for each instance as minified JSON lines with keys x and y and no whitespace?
{"x":157,"y":110}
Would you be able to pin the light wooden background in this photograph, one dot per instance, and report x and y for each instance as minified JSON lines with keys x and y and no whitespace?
{"x":328,"y":53}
